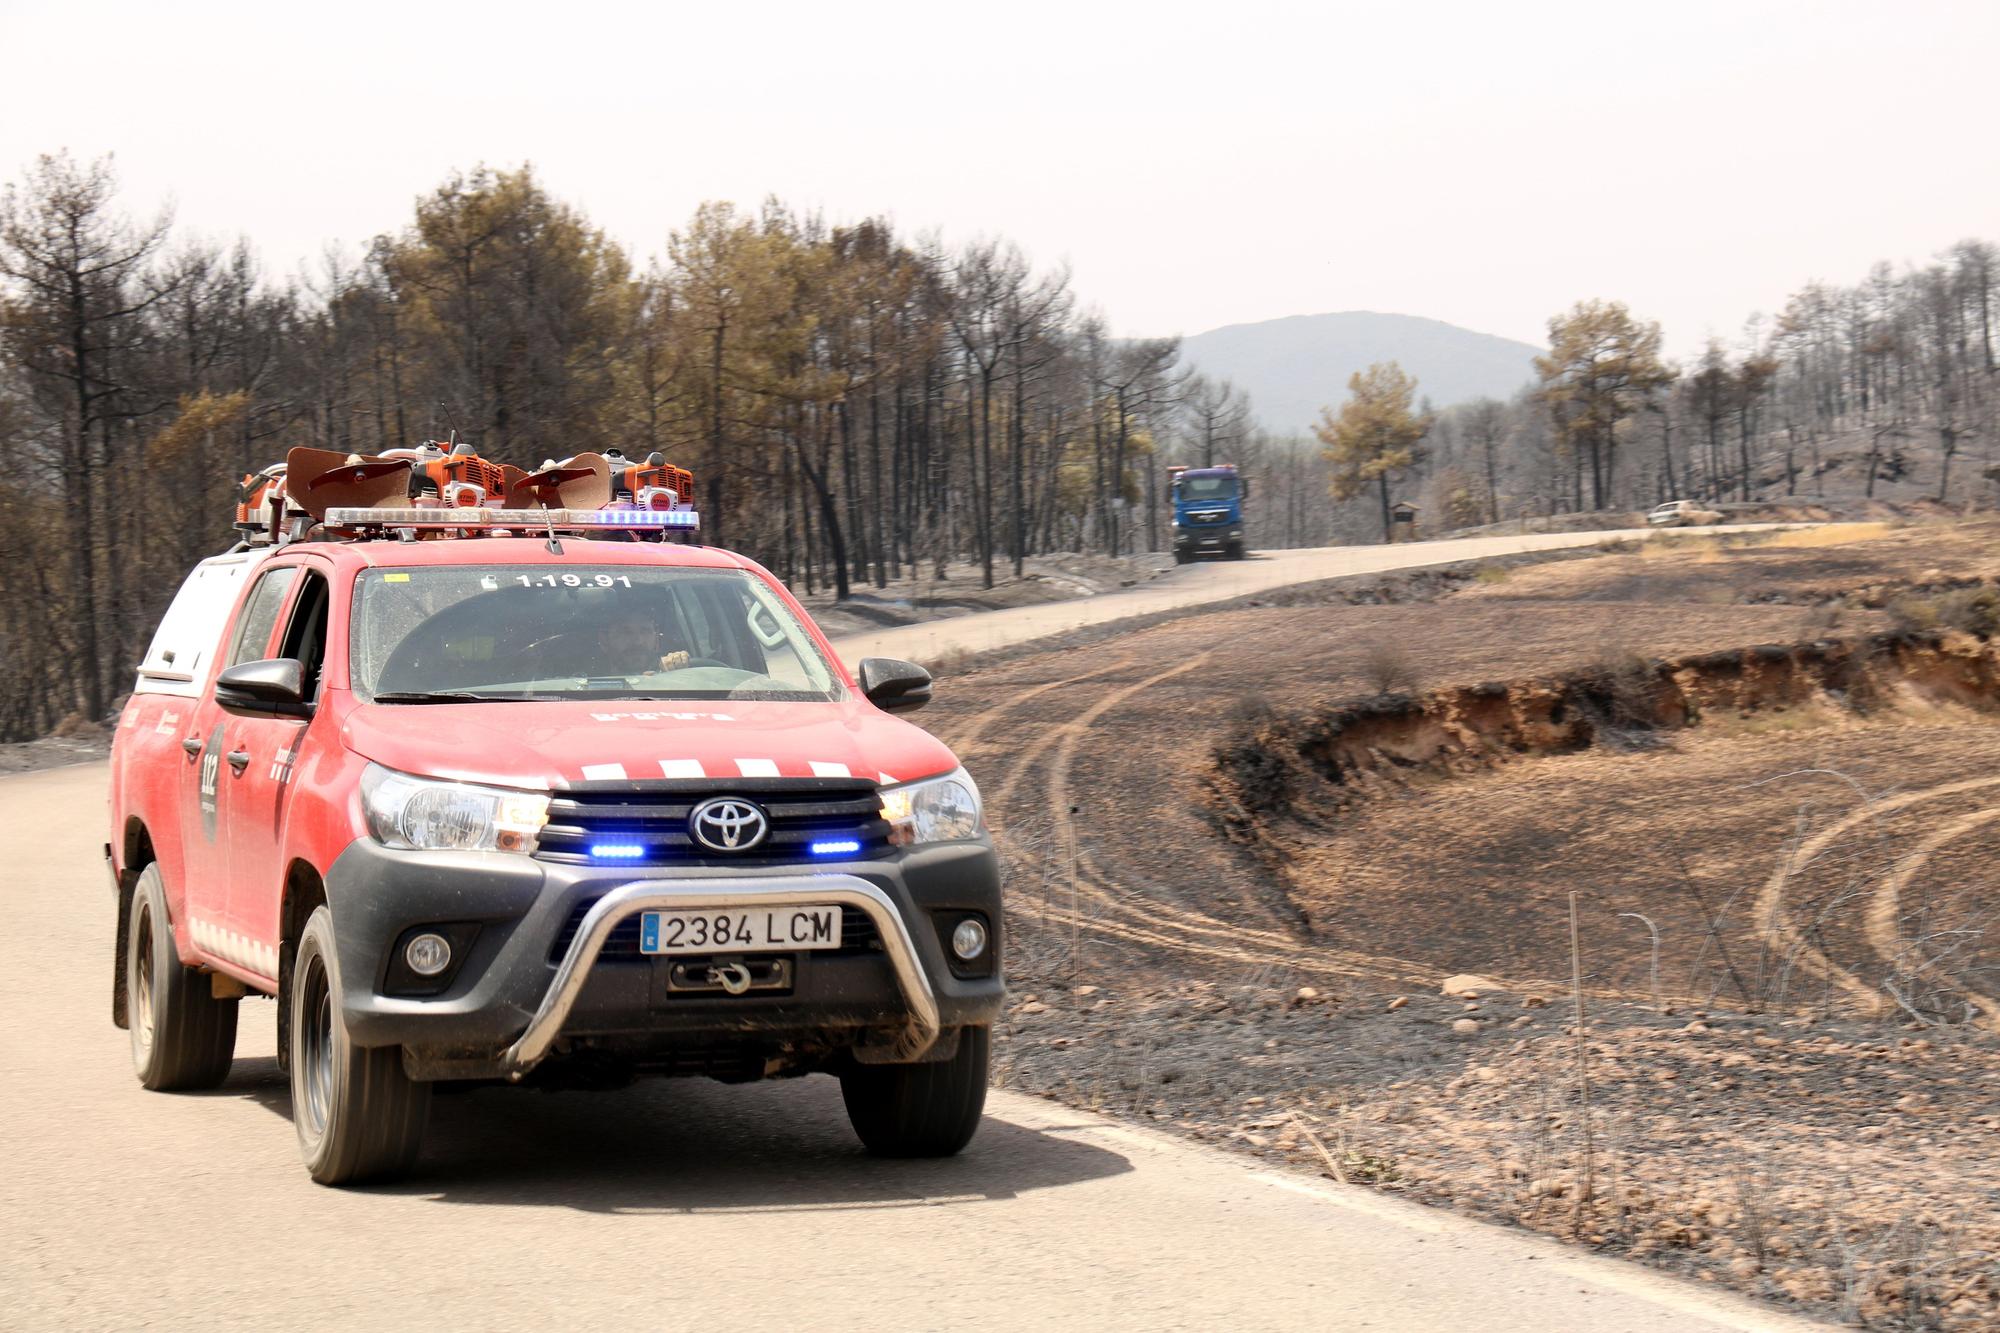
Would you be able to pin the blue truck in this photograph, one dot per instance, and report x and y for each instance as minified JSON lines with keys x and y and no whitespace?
{"x":1208,"y":511}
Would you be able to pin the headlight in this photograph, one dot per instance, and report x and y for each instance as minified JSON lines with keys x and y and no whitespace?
{"x":936,"y":810}
{"x":427,"y":815}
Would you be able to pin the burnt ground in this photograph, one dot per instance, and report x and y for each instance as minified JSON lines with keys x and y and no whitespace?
{"x":907,"y":600}
{"x":1247,"y":848}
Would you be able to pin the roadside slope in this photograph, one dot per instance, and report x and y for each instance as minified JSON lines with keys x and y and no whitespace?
{"x":1199,"y":584}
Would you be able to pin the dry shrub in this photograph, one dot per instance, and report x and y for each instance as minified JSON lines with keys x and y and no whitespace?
{"x":1621,"y":690}
{"x":1914,"y":613}
{"x":1490,"y":573}
{"x":1974,"y":610}
{"x":1822,"y":619}
{"x":1388,"y":668}
{"x":75,"y":726}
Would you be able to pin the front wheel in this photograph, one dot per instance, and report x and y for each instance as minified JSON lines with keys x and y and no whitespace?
{"x":928,"y":1110}
{"x":358,"y":1115}
{"x":182,"y":1036}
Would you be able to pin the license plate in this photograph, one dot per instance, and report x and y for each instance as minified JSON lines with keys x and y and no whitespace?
{"x":764,"y":929}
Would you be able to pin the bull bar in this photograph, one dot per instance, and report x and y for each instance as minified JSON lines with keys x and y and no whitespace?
{"x":655,"y":895}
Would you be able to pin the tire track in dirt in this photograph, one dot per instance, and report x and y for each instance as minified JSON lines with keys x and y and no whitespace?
{"x":1253,"y":945}
{"x":1778,"y":928}
{"x":1064,"y":738}
{"x":1884,"y":920}
{"x":1147,"y":926}
{"x":986,"y":717}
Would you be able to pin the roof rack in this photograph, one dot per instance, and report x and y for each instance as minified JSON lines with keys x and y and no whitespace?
{"x":479,"y":520}
{"x":445,"y":491}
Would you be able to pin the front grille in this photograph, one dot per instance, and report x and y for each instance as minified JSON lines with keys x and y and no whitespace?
{"x":653,"y":816}
{"x":1209,"y":516}
{"x":857,"y":934}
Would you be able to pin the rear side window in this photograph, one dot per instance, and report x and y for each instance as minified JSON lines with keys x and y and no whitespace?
{"x":260,"y":615}
{"x":189,"y":639}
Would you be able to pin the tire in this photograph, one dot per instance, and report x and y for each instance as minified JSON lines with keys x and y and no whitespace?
{"x":183,"y":1038}
{"x":1235,"y":550}
{"x":928,"y":1110}
{"x":1181,"y":557}
{"x":358,"y":1115}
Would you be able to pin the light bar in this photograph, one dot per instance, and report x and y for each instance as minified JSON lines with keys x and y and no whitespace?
{"x":841,"y":847}
{"x":528,"y":519}
{"x":617,"y":851}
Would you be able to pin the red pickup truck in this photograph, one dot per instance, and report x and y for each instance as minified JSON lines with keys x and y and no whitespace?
{"x":564,"y":810}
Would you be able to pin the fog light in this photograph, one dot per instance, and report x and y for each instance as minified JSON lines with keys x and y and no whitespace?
{"x":968,"y":939}
{"x":428,"y":954}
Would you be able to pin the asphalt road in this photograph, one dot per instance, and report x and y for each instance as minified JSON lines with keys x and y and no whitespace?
{"x":1215,"y":581}
{"x":683,"y":1204}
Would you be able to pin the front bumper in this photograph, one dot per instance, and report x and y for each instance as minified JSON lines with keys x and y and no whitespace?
{"x":1203,"y":538}
{"x":515,"y":998}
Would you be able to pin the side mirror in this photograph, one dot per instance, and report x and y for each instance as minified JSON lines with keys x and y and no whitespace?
{"x":893,"y":685}
{"x":275,"y":687}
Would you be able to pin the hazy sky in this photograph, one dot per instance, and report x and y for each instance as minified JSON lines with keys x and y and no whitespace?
{"x":1197,"y":165}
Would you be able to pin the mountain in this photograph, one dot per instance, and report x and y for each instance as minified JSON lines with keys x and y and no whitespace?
{"x":1292,"y":367}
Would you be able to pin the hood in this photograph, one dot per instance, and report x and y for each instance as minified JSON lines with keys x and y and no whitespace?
{"x":556,"y":745}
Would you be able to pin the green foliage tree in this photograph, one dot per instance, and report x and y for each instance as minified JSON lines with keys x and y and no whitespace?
{"x":1375,"y":437}
{"x":520,"y":307}
{"x":1602,"y":367}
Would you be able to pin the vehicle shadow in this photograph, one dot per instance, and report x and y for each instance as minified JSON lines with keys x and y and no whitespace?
{"x":694,"y":1146}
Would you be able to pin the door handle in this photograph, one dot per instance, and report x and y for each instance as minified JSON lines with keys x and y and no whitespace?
{"x":191,"y":746}
{"x":238,"y":760}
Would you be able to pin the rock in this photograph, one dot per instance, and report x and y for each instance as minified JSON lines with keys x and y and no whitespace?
{"x":1534,"y":1001}
{"x":1521,"y":1022}
{"x":1401,"y":1001}
{"x":1033,"y":1007}
{"x":1086,"y":990}
{"x":1468,"y":986}
{"x":1465,"y":1027}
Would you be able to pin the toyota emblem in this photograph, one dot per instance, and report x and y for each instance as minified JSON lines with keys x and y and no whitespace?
{"x":727,"y":824}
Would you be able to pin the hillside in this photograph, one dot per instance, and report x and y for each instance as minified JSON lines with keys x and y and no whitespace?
{"x":1293,"y":366}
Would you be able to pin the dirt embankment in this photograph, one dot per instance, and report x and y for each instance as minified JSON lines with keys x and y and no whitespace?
{"x":1303,"y":767}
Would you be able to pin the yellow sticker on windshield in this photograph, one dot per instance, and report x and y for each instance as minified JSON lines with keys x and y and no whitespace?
{"x":395,"y":578}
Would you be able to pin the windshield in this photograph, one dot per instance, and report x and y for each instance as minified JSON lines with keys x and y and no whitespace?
{"x":464,"y":632}
{"x":1208,"y":488}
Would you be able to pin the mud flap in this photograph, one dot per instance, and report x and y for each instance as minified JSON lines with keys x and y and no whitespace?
{"x":121,"y":893}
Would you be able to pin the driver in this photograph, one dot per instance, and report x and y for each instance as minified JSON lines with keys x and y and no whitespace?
{"x":628,"y":647}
